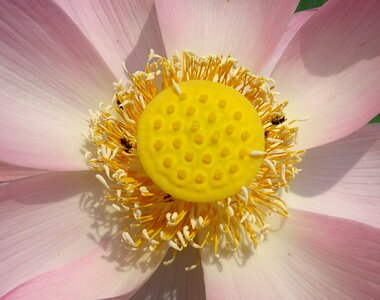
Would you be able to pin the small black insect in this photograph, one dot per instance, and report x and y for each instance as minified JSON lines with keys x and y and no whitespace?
{"x":118,"y":104}
{"x":278,"y":120}
{"x":127,"y":145}
{"x":168,"y":198}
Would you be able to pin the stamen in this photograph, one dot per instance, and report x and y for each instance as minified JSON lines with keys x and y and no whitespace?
{"x":257,"y":153}
{"x":125,"y":68}
{"x":128,"y":238}
{"x":200,"y":221}
{"x":102,"y":180}
{"x":176,"y":87}
{"x":174,"y":245}
{"x":116,"y":207}
{"x":271,"y":140}
{"x":114,"y":152}
{"x":283,"y":171}
{"x":192,"y":267}
{"x":145,"y":234}
{"x":186,"y":233}
{"x":181,"y":238}
{"x":270,"y":165}
{"x":195,"y":245}
{"x":169,"y":262}
{"x":245,"y":216}
{"x":245,"y":193}
{"x":159,"y":216}
{"x":230,"y":211}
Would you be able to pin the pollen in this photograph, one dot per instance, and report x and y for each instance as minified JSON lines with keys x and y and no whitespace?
{"x":193,"y":151}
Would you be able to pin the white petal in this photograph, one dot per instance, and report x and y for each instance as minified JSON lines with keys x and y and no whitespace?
{"x":342,"y":178}
{"x":119,"y":30}
{"x":248,"y":30}
{"x":330,"y":71}
{"x":310,"y":257}
{"x":49,"y":76}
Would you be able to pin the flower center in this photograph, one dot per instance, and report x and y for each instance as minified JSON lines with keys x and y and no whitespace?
{"x":194,"y":141}
{"x":193,"y":152}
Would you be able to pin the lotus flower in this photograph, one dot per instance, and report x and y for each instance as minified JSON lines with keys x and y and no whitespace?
{"x":60,"y":58}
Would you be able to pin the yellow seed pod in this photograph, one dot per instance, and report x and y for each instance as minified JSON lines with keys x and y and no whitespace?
{"x":193,"y":141}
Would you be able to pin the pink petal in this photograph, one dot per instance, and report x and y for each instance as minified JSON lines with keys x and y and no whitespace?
{"x":50,"y":76}
{"x":297,"y":21}
{"x":311,"y":257}
{"x":91,"y":277}
{"x":330,"y":71}
{"x":173,"y":281}
{"x":50,"y":243}
{"x":10,"y":172}
{"x":342,"y":178}
{"x":42,"y":225}
{"x":249,"y":30}
{"x":120,"y":30}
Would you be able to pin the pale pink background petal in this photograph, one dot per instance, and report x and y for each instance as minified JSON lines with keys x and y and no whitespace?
{"x":311,"y":257}
{"x":342,"y":178}
{"x":120,"y":30}
{"x":249,"y":30}
{"x":173,"y":281}
{"x":49,"y":76}
{"x":330,"y":71}
{"x":10,"y":172}
{"x":42,"y":225}
{"x":51,"y":246}
{"x":90,"y":277}
{"x":296,"y":22}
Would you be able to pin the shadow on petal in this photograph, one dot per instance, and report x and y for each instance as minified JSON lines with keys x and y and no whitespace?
{"x":240,"y":256}
{"x":108,"y":225}
{"x":173,"y":281}
{"x":343,"y":40}
{"x":69,"y":226}
{"x":325,"y":166}
{"x":136,"y":60}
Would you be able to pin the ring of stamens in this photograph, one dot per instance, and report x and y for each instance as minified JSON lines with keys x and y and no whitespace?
{"x":155,"y":217}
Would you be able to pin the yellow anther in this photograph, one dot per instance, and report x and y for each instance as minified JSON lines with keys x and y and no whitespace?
{"x":202,"y":139}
